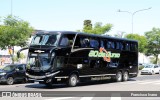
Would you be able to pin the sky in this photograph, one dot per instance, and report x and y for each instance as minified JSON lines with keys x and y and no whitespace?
{"x":69,"y":15}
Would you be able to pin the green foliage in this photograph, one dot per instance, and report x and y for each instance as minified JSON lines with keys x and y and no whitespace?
{"x":140,"y":67}
{"x":153,"y":46}
{"x":153,"y":60}
{"x":22,"y":56}
{"x":98,"y":28}
{"x":142,"y":41}
{"x":14,"y":32}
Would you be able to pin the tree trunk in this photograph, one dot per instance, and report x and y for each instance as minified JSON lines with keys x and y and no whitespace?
{"x":13,"y":55}
{"x":156,"y":59}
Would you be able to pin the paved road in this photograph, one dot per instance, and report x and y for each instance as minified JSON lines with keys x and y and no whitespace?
{"x":140,"y":83}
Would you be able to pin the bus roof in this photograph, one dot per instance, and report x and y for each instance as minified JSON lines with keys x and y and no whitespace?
{"x":86,"y":34}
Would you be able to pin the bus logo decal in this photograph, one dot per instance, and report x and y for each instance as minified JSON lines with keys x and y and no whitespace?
{"x":107,"y":55}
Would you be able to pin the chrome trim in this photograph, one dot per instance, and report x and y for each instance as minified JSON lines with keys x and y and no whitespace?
{"x":96,"y":75}
{"x":74,"y":50}
{"x":132,"y":73}
{"x":62,"y":77}
{"x":40,"y":77}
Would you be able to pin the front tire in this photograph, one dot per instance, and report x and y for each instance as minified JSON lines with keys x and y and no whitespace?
{"x":10,"y":80}
{"x":152,"y":72}
{"x":73,"y":80}
{"x":119,"y":76}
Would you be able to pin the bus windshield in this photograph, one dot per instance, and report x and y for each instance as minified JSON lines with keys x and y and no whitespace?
{"x":38,"y":62}
{"x":45,"y":39}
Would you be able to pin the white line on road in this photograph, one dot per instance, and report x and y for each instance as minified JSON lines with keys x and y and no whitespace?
{"x":60,"y":98}
{"x":154,"y":82}
{"x":86,"y":98}
{"x":115,"y":96}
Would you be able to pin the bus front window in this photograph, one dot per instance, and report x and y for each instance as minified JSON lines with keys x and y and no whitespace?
{"x":46,"y":39}
{"x":38,"y":62}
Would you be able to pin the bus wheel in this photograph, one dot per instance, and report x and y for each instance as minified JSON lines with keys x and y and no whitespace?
{"x":119,"y":76}
{"x":125,"y":76}
{"x":73,"y":79}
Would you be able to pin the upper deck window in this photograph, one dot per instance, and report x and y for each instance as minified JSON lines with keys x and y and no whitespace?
{"x":45,"y":39}
{"x":67,"y":40}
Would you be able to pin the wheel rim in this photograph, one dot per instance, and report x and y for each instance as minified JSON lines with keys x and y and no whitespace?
{"x":10,"y":80}
{"x":73,"y":80}
{"x":125,"y":76}
{"x":119,"y":76}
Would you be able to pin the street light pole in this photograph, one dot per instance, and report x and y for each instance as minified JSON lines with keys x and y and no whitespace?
{"x":133,"y":13}
{"x":11,"y":7}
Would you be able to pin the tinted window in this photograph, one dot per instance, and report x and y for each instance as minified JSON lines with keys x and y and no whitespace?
{"x":117,"y":45}
{"x":110,"y":45}
{"x":94,"y":43}
{"x":9,"y":68}
{"x":133,"y":47}
{"x":84,"y":42}
{"x":102,"y":43}
{"x":21,"y":68}
{"x":127,"y":46}
{"x":121,"y":46}
{"x":67,"y":40}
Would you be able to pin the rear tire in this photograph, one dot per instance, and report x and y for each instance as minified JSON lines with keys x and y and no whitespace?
{"x":125,"y":76}
{"x":73,"y":80}
{"x":119,"y":76}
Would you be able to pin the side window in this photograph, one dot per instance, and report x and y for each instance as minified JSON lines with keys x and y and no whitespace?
{"x":59,"y":62}
{"x":21,"y":68}
{"x":67,"y":40}
{"x":84,"y":42}
{"x":94,"y":43}
{"x":121,"y":46}
{"x":110,"y":45}
{"x":133,"y":47}
{"x":117,"y":45}
{"x":102,"y":43}
{"x":127,"y":45}
{"x":81,"y":42}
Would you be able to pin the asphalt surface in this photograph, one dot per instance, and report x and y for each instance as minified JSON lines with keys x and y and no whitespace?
{"x":147,"y":83}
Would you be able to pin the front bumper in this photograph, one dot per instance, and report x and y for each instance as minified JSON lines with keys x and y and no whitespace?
{"x":3,"y":79}
{"x":146,"y":72}
{"x":41,"y":77}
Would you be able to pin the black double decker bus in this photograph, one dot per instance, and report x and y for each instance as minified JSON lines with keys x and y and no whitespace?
{"x":72,"y":57}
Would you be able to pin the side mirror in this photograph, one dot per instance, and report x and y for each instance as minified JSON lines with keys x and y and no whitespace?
{"x":18,"y":53}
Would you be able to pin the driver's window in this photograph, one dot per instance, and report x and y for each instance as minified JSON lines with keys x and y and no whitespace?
{"x":20,"y":68}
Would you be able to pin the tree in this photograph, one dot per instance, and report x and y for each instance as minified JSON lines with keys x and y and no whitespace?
{"x":153,"y":46}
{"x":142,"y":41}
{"x":98,"y":28}
{"x":21,"y":56}
{"x":14,"y":32}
